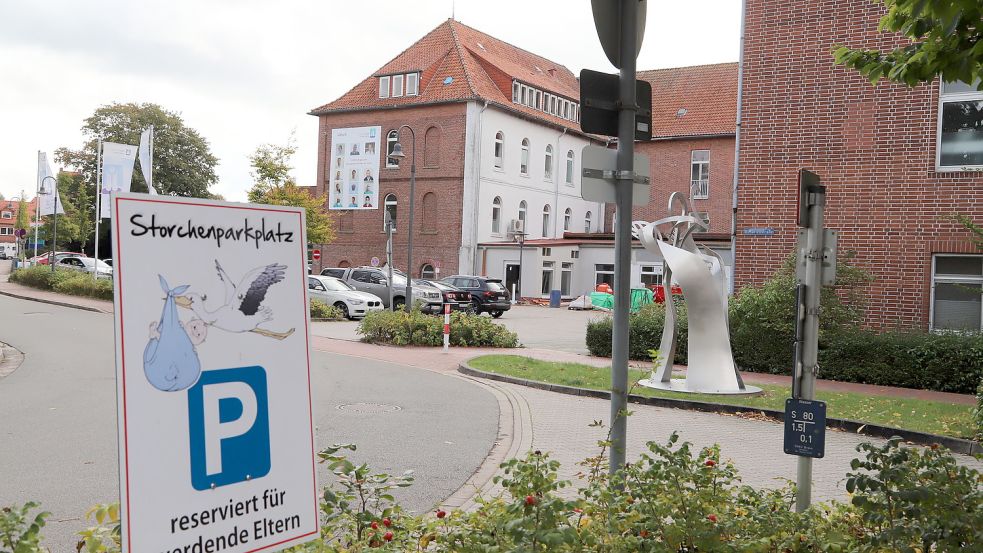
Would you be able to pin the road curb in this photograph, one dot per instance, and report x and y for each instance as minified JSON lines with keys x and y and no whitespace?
{"x":956,"y":445}
{"x":51,"y":302}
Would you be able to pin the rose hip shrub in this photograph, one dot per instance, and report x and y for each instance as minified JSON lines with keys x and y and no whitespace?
{"x":399,"y":328}
{"x":674,"y":498}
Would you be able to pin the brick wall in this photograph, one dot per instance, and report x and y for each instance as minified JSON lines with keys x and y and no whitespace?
{"x":437,"y":233}
{"x":670,"y":171}
{"x":874,"y":148}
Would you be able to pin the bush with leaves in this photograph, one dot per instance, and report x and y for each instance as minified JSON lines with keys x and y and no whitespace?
{"x":644,"y":332}
{"x":321,"y":311}
{"x":415,"y":328}
{"x":978,"y":414}
{"x":19,"y":531}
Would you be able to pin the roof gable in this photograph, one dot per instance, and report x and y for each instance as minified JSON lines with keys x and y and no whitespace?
{"x":693,"y":101}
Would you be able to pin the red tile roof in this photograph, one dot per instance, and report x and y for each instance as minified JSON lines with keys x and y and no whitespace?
{"x":481,"y":67}
{"x":693,"y":101}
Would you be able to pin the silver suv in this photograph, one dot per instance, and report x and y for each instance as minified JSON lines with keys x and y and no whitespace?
{"x":376,"y":281}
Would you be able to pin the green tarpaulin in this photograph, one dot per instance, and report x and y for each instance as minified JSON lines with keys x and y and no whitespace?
{"x":639,"y":297}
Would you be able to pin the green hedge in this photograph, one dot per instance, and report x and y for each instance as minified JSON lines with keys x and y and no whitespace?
{"x":644,"y":333}
{"x":978,"y":415}
{"x":418,"y":329}
{"x":762,"y":335}
{"x":64,"y":281}
{"x":321,"y":311}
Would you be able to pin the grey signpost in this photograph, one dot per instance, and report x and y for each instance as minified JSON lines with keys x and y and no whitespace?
{"x":815,"y":266}
{"x":620,"y":27}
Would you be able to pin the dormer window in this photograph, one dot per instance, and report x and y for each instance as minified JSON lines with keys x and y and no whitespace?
{"x":396,"y":86}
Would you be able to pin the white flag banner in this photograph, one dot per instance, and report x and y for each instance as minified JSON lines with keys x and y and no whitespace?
{"x":146,"y":158}
{"x":48,"y":187}
{"x":117,"y":172}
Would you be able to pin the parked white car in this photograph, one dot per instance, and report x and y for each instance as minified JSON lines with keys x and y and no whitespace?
{"x":87,"y":265}
{"x":332,"y":291}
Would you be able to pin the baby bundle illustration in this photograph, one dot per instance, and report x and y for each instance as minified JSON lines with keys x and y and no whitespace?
{"x":170,"y":359}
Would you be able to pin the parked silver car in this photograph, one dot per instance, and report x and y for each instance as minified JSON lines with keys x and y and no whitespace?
{"x":332,"y":291}
{"x":86,"y":265}
{"x":376,"y":282}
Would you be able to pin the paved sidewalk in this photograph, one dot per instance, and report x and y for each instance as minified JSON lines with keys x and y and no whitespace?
{"x":15,"y":290}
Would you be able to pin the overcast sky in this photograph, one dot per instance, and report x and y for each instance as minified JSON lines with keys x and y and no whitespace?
{"x":245,"y":72}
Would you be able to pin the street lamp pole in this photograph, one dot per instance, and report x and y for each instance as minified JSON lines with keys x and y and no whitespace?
{"x":54,"y":240}
{"x":398,"y":154}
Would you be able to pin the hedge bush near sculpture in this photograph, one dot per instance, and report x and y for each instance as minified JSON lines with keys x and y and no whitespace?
{"x":762,"y":335}
{"x":415,"y":328}
{"x":674,"y":498}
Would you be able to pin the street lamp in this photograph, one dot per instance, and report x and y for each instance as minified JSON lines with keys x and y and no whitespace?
{"x":397,"y":154}
{"x":54,"y":240}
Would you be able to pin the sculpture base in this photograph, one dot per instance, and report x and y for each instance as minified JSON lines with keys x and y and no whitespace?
{"x":679,"y":385}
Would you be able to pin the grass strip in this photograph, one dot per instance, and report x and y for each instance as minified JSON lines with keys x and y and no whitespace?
{"x":934,"y":417}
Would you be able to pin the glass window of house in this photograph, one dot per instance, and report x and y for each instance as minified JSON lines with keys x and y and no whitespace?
{"x":957,"y":293}
{"x":524,"y":158}
{"x":499,"y":150}
{"x":700,"y":174}
{"x":960,"y":138}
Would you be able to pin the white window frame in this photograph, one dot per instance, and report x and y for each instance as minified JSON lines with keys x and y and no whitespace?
{"x":384,"y":87}
{"x":971,"y":95}
{"x":524,"y":158}
{"x":566,"y":278}
{"x":392,"y":137}
{"x":649,"y":270}
{"x":570,"y":167}
{"x":390,"y":200}
{"x":548,"y":267}
{"x":516,"y":91}
{"x":603,"y":272}
{"x":699,"y":188}
{"x":949,"y":279}
{"x":5,"y":231}
{"x":397,"y":86}
{"x":497,"y":215}
{"x":523,"y":208}
{"x":587,"y":222}
{"x":548,"y":168}
{"x":567,"y":219}
{"x":499,"y":158}
{"x":415,"y":79}
{"x":547,"y":211}
{"x":6,"y":215}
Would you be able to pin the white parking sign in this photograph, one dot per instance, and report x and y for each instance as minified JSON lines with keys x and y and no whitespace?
{"x":216,"y":437}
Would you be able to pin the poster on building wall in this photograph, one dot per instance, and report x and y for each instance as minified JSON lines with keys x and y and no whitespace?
{"x":354,"y":169}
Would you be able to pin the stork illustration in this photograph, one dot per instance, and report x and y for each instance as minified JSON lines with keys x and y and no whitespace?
{"x":243,"y":309}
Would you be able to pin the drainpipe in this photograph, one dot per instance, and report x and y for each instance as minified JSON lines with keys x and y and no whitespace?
{"x":737,"y":152}
{"x":477,"y":196}
{"x":556,"y":180}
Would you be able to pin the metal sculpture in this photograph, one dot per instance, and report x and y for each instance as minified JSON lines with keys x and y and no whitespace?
{"x":700,"y":274}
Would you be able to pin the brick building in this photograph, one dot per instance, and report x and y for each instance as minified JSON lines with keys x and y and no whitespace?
{"x":8,"y":218}
{"x":497,"y":144}
{"x":894,"y":172}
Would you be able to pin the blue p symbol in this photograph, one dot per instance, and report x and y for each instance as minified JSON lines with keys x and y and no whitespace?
{"x":229,"y":426}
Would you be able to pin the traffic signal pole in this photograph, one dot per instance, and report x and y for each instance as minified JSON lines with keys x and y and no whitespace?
{"x":622,"y":234}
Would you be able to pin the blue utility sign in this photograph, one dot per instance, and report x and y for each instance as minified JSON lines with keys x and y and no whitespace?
{"x":805,"y":428}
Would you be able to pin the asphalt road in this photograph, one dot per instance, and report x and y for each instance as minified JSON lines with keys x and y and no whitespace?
{"x":58,"y":440}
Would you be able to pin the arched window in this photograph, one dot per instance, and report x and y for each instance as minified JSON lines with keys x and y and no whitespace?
{"x":497,"y":215}
{"x":548,"y":170}
{"x":524,"y":158}
{"x":344,"y":264}
{"x":391,"y":139}
{"x":429,"y":212}
{"x":390,"y":203}
{"x":428,"y":272}
{"x":567,"y":215}
{"x":499,"y":150}
{"x":587,"y":222}
{"x":546,"y":220}
{"x":522,"y":214}
{"x":570,"y":167}
{"x":431,"y":147}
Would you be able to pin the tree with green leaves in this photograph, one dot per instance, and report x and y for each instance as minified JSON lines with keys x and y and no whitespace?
{"x":271,"y":168}
{"x":946,"y":40}
{"x":273,"y":184}
{"x":183,"y":162}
